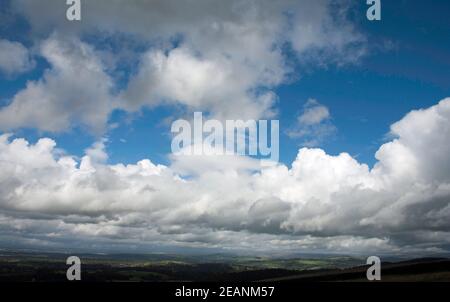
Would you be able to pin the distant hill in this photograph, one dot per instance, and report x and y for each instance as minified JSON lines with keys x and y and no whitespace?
{"x":42,"y":267}
{"x":422,"y":269}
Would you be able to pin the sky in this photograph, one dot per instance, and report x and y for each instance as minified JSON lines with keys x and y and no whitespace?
{"x":86,"y":109}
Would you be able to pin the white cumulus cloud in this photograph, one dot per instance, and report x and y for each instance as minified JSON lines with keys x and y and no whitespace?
{"x":14,"y":58}
{"x":321,"y":203}
{"x":224,"y":57}
{"x":74,"y":91}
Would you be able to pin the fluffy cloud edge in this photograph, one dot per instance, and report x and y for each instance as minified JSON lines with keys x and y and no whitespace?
{"x":322,"y":202}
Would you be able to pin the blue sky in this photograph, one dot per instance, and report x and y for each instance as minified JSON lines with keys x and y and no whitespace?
{"x":93,"y":96}
{"x":407,"y":67}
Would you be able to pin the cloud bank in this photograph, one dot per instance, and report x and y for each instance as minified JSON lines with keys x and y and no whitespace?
{"x":321,"y":203}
